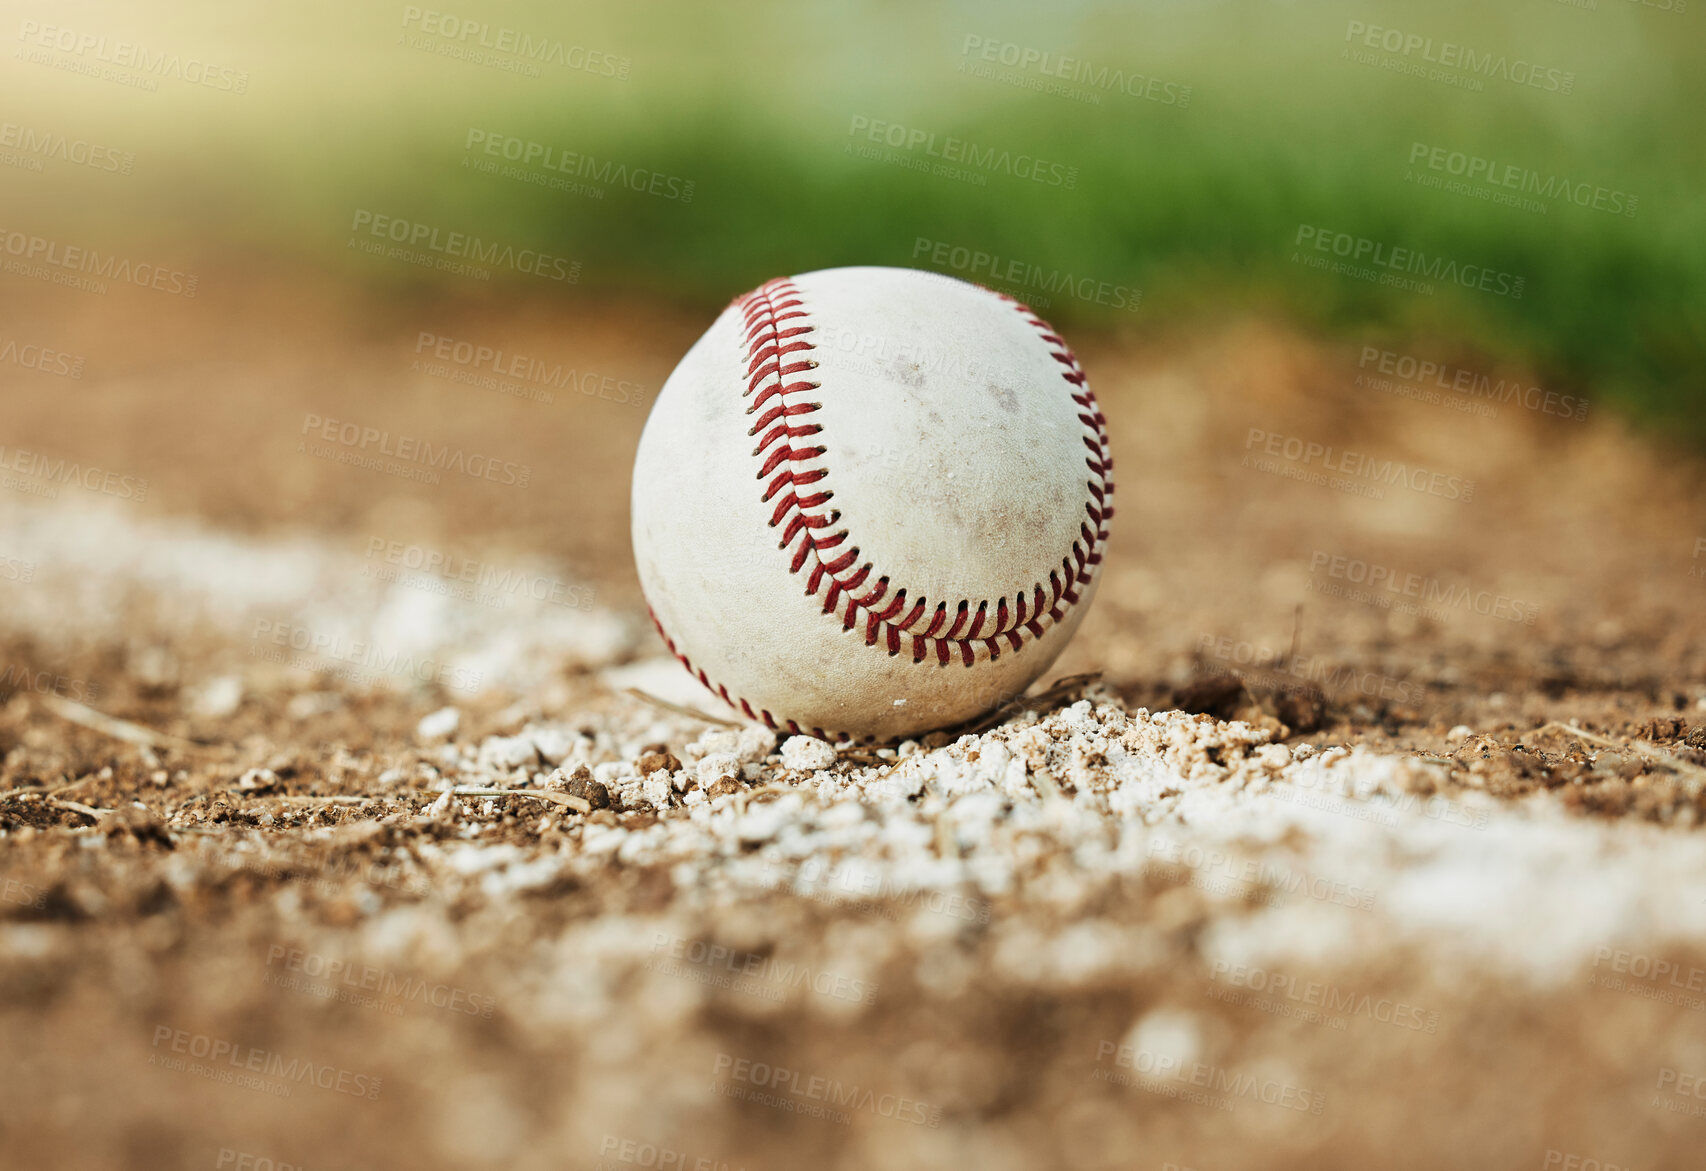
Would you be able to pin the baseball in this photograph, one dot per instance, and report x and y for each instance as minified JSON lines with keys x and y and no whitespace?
{"x":871,"y":502}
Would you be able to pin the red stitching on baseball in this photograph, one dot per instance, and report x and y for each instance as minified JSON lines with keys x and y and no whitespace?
{"x":768,"y":345}
{"x":763,"y":715}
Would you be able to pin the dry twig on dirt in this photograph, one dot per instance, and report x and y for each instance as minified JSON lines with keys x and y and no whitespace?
{"x":119,"y":729}
{"x":681,"y":709}
{"x":568,"y":800}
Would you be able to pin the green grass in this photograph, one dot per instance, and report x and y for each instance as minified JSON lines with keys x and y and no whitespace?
{"x":1198,"y":207}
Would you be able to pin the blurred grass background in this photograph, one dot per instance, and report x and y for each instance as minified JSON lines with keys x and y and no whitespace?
{"x":1197,"y":205}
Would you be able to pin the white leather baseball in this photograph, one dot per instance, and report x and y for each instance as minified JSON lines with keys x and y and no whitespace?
{"x":871,"y":502}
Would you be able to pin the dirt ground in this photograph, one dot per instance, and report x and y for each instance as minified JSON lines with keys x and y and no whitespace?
{"x":1363,"y":831}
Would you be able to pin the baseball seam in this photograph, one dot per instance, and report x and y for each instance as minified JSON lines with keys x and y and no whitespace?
{"x":776,"y":341}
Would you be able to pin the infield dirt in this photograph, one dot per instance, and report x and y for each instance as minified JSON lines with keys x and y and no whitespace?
{"x":1308,"y":869}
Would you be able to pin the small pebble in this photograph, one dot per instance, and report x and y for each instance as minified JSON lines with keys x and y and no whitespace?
{"x":580,"y":783}
{"x":507,"y":752}
{"x":219,"y":697}
{"x":807,"y":753}
{"x":651,"y":762}
{"x":755,"y":743}
{"x":438,"y":725}
{"x":716,"y":767}
{"x":257,"y":780}
{"x":715,"y":741}
{"x":555,"y":745}
{"x":656,"y":788}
